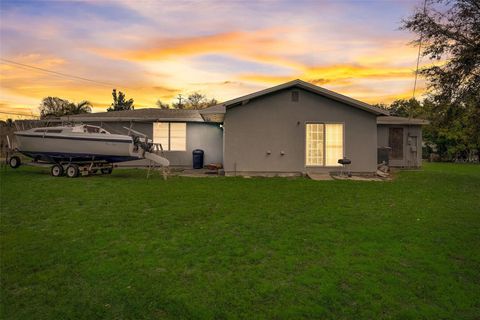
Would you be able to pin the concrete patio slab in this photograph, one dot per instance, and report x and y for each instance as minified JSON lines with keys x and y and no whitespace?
{"x":319,"y":176}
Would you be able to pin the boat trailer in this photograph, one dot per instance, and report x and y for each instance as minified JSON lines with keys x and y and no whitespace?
{"x":72,"y":168}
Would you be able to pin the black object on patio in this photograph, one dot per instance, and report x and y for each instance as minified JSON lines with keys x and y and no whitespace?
{"x":197,"y":159}
{"x":344,"y":162}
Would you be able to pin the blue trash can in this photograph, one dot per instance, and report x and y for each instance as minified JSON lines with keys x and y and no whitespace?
{"x":197,"y":159}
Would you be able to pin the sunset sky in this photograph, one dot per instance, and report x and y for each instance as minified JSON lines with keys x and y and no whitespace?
{"x":156,"y":49}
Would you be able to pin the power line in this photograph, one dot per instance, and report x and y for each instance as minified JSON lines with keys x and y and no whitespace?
{"x":419,"y":49}
{"x":17,"y":114}
{"x":58,"y":73}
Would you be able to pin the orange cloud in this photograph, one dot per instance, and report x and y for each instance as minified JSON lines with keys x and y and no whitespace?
{"x":356,"y":71}
{"x":281,"y":49}
{"x":23,"y":88}
{"x":372,"y":84}
{"x":325,"y":74}
{"x":161,"y":72}
{"x":253,"y":46}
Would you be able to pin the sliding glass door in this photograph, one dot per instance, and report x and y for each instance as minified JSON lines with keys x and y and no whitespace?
{"x":324,"y":144}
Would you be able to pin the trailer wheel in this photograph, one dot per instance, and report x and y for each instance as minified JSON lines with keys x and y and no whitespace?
{"x":57,"y":170}
{"x":72,"y":171}
{"x":14,"y":162}
{"x":106,"y":170}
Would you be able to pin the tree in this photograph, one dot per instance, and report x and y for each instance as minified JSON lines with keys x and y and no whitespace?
{"x":453,"y":131}
{"x":162,"y":105}
{"x":197,"y":101}
{"x":79,"y":108}
{"x":194,"y":101}
{"x":406,"y":108}
{"x":119,"y":102}
{"x":53,"y":107}
{"x":212,"y":102}
{"x":450,"y":31}
{"x":178,"y":105}
{"x":451,"y":35}
{"x":57,"y":107}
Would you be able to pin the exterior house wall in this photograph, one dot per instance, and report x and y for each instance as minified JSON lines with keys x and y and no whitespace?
{"x":274,"y":123}
{"x":412,"y":153}
{"x":205,"y":136}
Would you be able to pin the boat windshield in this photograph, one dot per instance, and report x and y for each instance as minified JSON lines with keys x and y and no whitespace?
{"x":94,"y":129}
{"x":85,"y":128}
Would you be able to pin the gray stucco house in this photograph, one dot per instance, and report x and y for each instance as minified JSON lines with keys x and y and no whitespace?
{"x":289,"y":129}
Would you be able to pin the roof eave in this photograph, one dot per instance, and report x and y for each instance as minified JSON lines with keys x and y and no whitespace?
{"x":393,"y":120}
{"x":134,"y":119}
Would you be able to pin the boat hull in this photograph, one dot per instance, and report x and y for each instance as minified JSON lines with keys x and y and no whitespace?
{"x":75,"y":157}
{"x":56,"y":148}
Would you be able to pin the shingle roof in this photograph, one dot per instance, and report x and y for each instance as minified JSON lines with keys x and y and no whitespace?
{"x":299,"y":84}
{"x":401,"y":120}
{"x":147,"y":114}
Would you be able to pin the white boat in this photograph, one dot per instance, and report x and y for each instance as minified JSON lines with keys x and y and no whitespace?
{"x":83,"y":147}
{"x":75,"y":143}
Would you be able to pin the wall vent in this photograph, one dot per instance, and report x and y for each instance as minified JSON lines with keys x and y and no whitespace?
{"x":295,"y":96}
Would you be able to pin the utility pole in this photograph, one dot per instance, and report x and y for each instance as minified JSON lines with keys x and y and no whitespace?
{"x":179,"y":99}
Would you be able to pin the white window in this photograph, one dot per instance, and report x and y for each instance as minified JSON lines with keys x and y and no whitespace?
{"x":178,"y":136}
{"x":323,"y":144}
{"x":172,"y":135}
{"x":161,"y":133}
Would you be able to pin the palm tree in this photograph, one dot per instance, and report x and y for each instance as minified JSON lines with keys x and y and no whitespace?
{"x":79,"y":108}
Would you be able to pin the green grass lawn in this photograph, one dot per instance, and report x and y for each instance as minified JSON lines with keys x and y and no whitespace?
{"x":123,"y":247}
